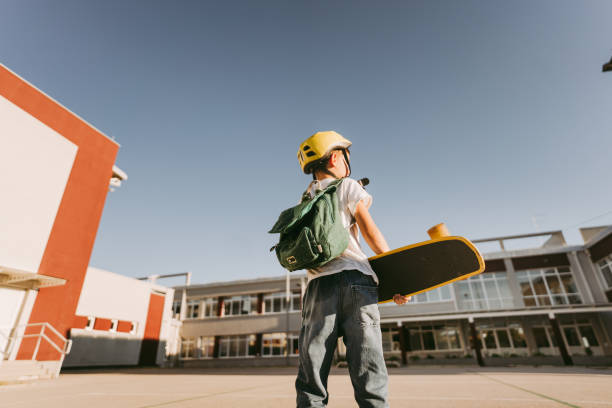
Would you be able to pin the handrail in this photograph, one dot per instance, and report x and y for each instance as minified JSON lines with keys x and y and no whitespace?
{"x":67,"y":343}
{"x":44,"y":336}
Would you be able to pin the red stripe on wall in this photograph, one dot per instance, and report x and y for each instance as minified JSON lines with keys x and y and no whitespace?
{"x":150,"y":340}
{"x":74,"y":231}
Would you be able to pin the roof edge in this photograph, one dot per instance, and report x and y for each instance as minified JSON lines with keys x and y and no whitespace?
{"x":60,"y":104}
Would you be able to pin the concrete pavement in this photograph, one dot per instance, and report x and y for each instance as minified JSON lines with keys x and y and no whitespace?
{"x":273,"y":388}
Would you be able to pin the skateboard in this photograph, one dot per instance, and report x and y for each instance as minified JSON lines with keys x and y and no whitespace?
{"x":427,"y":265}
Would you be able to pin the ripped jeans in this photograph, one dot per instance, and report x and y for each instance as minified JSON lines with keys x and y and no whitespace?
{"x":343,"y":305}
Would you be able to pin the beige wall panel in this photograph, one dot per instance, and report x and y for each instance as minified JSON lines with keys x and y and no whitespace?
{"x":35,"y":162}
{"x":416,"y":309}
{"x":240,"y":325}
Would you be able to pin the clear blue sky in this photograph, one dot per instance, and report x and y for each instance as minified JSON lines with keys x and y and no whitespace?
{"x":481,"y":114}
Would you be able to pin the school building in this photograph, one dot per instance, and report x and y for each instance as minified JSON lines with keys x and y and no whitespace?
{"x":549,"y":304}
{"x":56,"y":310}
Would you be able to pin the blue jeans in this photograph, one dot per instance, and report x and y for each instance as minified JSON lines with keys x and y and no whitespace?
{"x":342,"y":304}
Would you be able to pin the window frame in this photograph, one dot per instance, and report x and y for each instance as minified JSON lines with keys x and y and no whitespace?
{"x":474,"y":303}
{"x":527,"y":276}
{"x":225,"y":343}
{"x":281,"y":296}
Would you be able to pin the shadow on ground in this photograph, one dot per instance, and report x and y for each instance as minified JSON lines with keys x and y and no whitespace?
{"x":292,"y":371}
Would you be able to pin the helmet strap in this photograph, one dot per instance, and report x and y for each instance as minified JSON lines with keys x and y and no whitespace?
{"x":347,"y":162}
{"x":325,"y":170}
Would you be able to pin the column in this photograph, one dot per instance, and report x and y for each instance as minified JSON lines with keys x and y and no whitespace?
{"x":183,"y":311}
{"x":579,"y":278}
{"x":532,"y":346}
{"x":567,"y":360}
{"x":475,"y":342}
{"x":513,"y":283}
{"x":216,"y":347}
{"x":220,"y":306}
{"x":260,"y":303}
{"x":258,"y":341}
{"x":402,"y":338}
{"x":303,"y":284}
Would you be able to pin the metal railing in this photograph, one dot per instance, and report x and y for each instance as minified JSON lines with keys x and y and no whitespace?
{"x":556,"y":238}
{"x":62,"y":346}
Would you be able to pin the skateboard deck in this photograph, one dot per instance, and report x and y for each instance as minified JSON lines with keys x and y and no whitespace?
{"x":424,"y":266}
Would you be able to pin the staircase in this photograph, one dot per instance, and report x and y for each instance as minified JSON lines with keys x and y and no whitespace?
{"x":17,"y":371}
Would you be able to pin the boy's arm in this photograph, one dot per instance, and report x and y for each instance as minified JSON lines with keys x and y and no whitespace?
{"x":374,"y":238}
{"x":369,"y":230}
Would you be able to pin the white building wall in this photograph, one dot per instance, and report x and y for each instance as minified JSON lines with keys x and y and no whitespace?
{"x":112,"y":296}
{"x":35,"y":162}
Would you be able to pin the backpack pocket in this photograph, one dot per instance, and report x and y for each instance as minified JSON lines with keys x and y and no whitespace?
{"x":302,"y":252}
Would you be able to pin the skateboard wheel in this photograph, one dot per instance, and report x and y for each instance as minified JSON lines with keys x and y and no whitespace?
{"x":438,"y":231}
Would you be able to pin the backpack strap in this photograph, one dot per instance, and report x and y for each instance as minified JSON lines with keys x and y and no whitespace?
{"x":306,"y":194}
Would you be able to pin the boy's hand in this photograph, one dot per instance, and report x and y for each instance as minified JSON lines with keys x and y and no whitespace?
{"x":400,"y":299}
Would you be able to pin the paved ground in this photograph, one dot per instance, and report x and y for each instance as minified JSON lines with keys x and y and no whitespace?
{"x":273,"y":387}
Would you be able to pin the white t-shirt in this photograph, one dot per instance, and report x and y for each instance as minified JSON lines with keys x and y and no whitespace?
{"x":350,"y":193}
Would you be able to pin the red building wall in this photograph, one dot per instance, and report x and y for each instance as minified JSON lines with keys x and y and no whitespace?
{"x":74,"y":231}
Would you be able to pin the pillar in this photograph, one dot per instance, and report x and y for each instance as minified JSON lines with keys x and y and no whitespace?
{"x":402,"y":338}
{"x":476,"y":342}
{"x":216,"y":347}
{"x":567,"y":359}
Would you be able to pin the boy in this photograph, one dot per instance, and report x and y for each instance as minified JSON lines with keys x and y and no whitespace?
{"x":341,"y":296}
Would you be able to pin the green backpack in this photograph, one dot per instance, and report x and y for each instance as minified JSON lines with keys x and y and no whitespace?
{"x":311,"y":233}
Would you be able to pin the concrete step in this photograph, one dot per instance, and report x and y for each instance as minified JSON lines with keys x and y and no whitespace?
{"x":24,"y":370}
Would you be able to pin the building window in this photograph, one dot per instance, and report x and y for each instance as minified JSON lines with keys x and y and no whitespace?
{"x":193,"y":309}
{"x":237,"y":346}
{"x":277,"y":302}
{"x":578,"y":332}
{"x":438,"y":337}
{"x":550,"y":286}
{"x":240,"y":305}
{"x":209,"y":306}
{"x":544,"y":337}
{"x":390,"y":338}
{"x":441,"y":294}
{"x":499,"y":336}
{"x":605,"y":267}
{"x":484,"y":291}
{"x":187,"y":347}
{"x":207,"y":346}
{"x":294,"y":349}
{"x":273,"y":344}
{"x":176,"y":308}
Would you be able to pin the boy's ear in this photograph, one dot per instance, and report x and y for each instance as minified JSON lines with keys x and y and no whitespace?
{"x":332,"y":159}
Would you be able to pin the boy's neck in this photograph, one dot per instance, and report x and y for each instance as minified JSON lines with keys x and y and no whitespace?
{"x":320,"y":175}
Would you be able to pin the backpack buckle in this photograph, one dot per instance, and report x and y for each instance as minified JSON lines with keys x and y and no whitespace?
{"x":291,"y":260}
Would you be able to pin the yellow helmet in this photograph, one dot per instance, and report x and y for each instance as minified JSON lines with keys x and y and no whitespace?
{"x":318,"y":146}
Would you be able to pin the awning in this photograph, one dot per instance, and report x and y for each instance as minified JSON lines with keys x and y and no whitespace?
{"x":15,"y":278}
